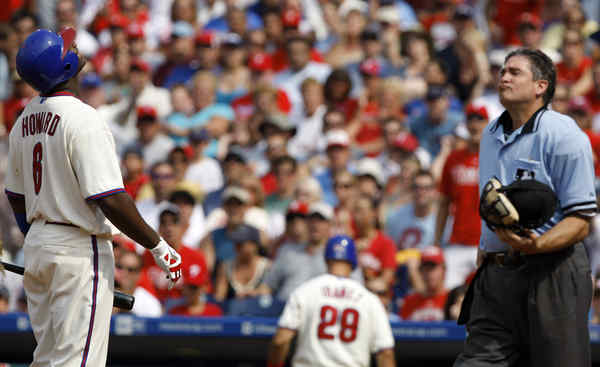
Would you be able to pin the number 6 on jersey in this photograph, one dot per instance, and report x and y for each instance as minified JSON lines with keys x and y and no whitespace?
{"x":37,"y":167}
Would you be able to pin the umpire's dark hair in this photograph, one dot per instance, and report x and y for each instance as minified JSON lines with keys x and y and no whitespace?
{"x":542,"y":68}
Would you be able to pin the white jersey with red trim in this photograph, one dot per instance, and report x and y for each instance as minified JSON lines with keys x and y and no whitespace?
{"x":338,"y":321}
{"x":61,"y":157}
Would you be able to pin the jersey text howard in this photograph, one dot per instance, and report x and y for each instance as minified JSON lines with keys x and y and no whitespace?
{"x":41,"y":122}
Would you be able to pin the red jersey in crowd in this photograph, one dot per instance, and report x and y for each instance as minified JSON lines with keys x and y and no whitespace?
{"x":418,"y":307}
{"x":210,"y":310}
{"x":506,"y":15}
{"x":370,"y":128}
{"x":595,"y":142}
{"x":380,"y":255}
{"x":133,"y":186}
{"x":460,"y":183}
{"x":244,"y":105}
{"x":571,"y":75}
{"x":189,"y":258}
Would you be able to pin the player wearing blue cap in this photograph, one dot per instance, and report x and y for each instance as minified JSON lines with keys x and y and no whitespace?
{"x":337,"y":320}
{"x":64,"y":185}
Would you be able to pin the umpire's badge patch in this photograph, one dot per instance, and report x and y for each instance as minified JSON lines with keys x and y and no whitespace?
{"x":523,"y":174}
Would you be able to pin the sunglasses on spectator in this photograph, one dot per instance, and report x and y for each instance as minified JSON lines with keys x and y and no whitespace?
{"x":129,"y":269}
{"x":158,"y":176}
{"x":422,"y":187}
{"x":343,"y":185}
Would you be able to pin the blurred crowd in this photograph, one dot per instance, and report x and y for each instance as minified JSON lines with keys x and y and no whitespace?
{"x":250,"y":131}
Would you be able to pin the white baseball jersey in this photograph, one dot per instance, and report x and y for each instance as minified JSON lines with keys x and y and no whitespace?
{"x":62,"y":155}
{"x":338,"y":321}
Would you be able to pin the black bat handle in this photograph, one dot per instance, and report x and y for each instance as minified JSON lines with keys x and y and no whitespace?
{"x":120,"y":300}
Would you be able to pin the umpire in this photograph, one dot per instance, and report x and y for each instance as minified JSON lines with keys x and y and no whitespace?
{"x":528,"y":303}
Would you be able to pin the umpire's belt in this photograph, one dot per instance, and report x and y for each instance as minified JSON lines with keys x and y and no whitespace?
{"x":505,"y":258}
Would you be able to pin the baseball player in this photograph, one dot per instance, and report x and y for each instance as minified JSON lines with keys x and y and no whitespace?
{"x":63,"y":183}
{"x":528,"y":303}
{"x":338,"y":321}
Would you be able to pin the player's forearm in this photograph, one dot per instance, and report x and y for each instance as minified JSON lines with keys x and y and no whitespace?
{"x":277,"y":353}
{"x":441,"y":219}
{"x":567,"y":232}
{"x":122,"y":212}
{"x":386,"y":358}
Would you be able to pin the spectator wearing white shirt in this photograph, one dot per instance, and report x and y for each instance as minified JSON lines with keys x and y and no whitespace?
{"x":203,"y":170}
{"x":305,"y":143}
{"x":162,"y":180}
{"x":300,"y":68}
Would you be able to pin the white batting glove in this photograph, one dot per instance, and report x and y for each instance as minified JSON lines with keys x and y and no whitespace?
{"x":169,"y":260}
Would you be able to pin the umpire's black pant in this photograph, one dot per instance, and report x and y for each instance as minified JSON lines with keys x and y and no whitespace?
{"x":531,"y":314}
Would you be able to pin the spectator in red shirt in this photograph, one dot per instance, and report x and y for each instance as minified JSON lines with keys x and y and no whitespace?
{"x":172,"y":230}
{"x":365,"y":129}
{"x":14,"y":106}
{"x":376,"y":251}
{"x":195,"y":281}
{"x":429,"y":305}
{"x":581,"y":112}
{"x":133,"y":176}
{"x":575,"y":67}
{"x":460,"y":197}
{"x":336,"y":91}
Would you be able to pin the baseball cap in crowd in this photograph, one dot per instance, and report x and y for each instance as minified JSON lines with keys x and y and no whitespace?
{"x":139,"y":65}
{"x":579,"y":104}
{"x":232,"y":40}
{"x":146,"y":111}
{"x":90,"y":81}
{"x":277,"y":121}
{"x":199,"y":135}
{"x":370,"y":67}
{"x":260,"y":61}
{"x":169,"y":208}
{"x":337,"y":138}
{"x":195,"y":275}
{"x":182,"y":29}
{"x":245,"y":233}
{"x":372,"y":168}
{"x":296,"y":209}
{"x":388,"y":14}
{"x":235,"y":156}
{"x":463,"y":12}
{"x":236,"y":192}
{"x":135,"y":31}
{"x":479,"y":111}
{"x":321,"y":209}
{"x":349,"y":6}
{"x":435,"y":91}
{"x":370,"y":34}
{"x":182,"y":196}
{"x":529,"y":19}
{"x":291,"y":18}
{"x":406,"y":141}
{"x":432,"y":255}
{"x":207,"y":39}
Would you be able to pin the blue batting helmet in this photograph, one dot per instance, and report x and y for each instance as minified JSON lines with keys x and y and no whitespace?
{"x":341,"y":248}
{"x":44,"y":59}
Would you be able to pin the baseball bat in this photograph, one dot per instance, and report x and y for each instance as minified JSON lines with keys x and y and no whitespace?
{"x":121,"y":300}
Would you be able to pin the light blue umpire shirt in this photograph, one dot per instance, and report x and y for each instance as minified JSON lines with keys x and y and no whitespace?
{"x":550,"y":148}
